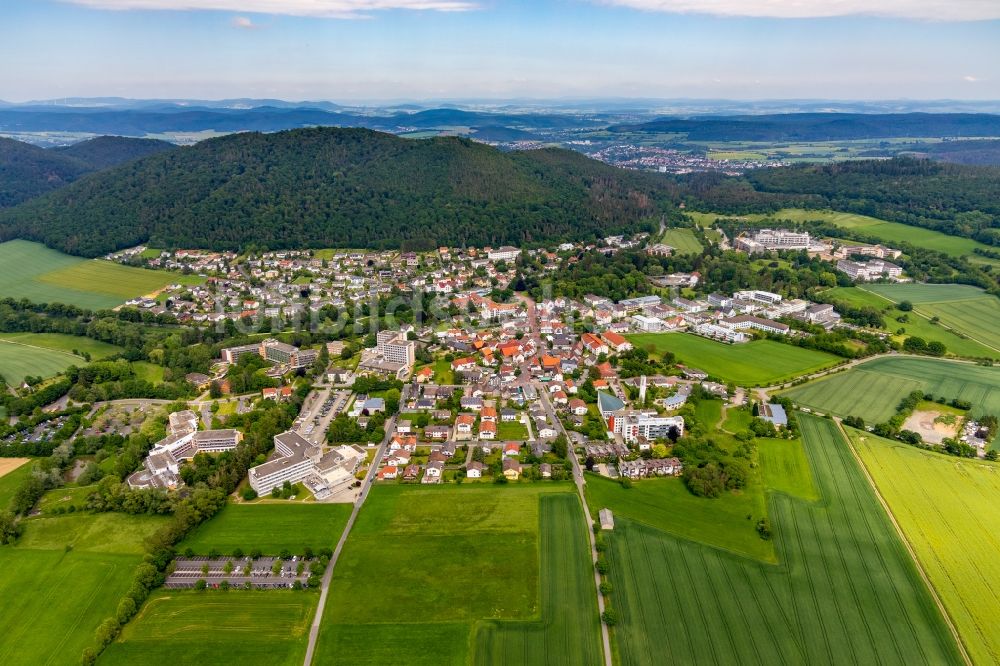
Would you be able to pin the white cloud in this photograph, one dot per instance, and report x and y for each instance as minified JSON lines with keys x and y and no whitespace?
{"x":311,"y":8}
{"x":969,"y":78}
{"x":243,"y":22}
{"x":931,"y":10}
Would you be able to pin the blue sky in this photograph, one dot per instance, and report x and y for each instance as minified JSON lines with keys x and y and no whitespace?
{"x":368,"y":50}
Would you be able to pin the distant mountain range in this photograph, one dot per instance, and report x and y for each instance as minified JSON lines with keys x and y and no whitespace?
{"x":325,"y":187}
{"x":822,"y":126}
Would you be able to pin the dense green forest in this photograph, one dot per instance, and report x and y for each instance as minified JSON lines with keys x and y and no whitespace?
{"x":955,"y":199}
{"x":107,"y":151}
{"x":27,"y":171}
{"x":343,"y":187}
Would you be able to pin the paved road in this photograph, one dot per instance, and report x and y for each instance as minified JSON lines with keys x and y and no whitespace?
{"x":328,"y":574}
{"x":580,"y":483}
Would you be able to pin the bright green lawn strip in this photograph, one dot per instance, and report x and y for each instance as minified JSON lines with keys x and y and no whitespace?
{"x":11,"y":481}
{"x":785,"y":467}
{"x":846,"y":591}
{"x":235,"y":627}
{"x":64,"y":498}
{"x":737,"y":420}
{"x":949,"y":510}
{"x":757,"y":363}
{"x":667,"y":505}
{"x":92,"y":532}
{"x":682,"y":240}
{"x":568,"y":630}
{"x":270,"y":528}
{"x":428,"y":644}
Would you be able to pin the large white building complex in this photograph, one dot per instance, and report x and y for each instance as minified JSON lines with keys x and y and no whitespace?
{"x":864,"y":271}
{"x":766,"y":240}
{"x":298,"y":460}
{"x":274,"y":351}
{"x":184,"y":441}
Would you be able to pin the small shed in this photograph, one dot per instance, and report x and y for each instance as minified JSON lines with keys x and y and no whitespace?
{"x":607,"y":519}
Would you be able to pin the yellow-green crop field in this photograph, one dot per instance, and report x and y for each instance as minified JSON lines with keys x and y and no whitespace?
{"x":949,"y":510}
{"x":43,"y":275}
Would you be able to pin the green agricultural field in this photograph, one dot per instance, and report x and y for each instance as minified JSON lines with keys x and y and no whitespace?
{"x":668,"y":506}
{"x":873,"y":390}
{"x":431,"y":563}
{"x":683,"y":240}
{"x":958,"y":342}
{"x":270,"y":527}
{"x":235,"y":627}
{"x":55,"y":597}
{"x":971,"y":312}
{"x":568,"y":631}
{"x":18,"y":361}
{"x":845,"y":591}
{"x":755,"y":363}
{"x":949,"y":510}
{"x":43,"y":275}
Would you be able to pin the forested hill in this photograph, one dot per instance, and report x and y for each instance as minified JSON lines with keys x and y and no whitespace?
{"x":956,"y":199}
{"x":27,"y":171}
{"x":342,"y":187}
{"x":108,"y":151}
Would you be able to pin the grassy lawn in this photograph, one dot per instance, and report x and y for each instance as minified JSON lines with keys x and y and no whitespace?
{"x":874,"y":389}
{"x":683,"y":240}
{"x":13,"y":472}
{"x":431,"y":563}
{"x":514,"y":430}
{"x":668,"y":506}
{"x":270,"y":527}
{"x":63,"y":343}
{"x":18,"y":361}
{"x":53,"y":597}
{"x":949,"y":510}
{"x":956,"y":341}
{"x":43,"y":275}
{"x":846,"y":590}
{"x":214,"y":627}
{"x":755,"y":363}
{"x":148,"y":371}
{"x":442,"y":372}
